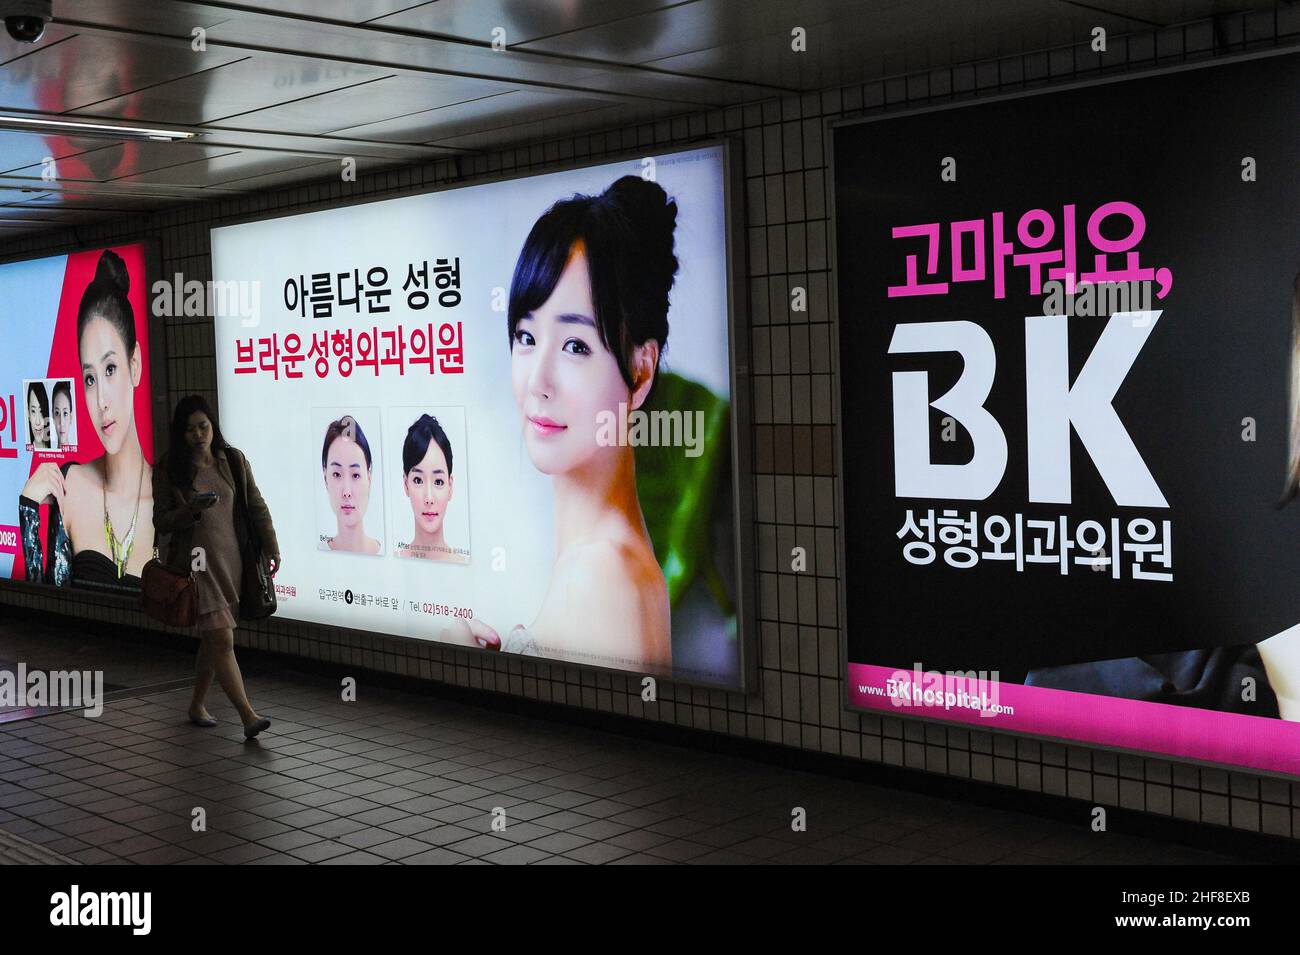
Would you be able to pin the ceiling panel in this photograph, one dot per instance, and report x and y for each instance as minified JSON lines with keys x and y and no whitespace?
{"x":55,"y":218}
{"x":307,"y":171}
{"x":522,"y":20}
{"x":86,"y":69}
{"x":72,"y":200}
{"x":120,"y":161}
{"x":846,"y":42}
{"x":234,"y":88}
{"x":19,"y":150}
{"x":377,"y":46}
{"x":283,"y":88}
{"x":537,"y":127}
{"x":441,"y":124}
{"x":144,"y":16}
{"x":373,"y":101}
{"x":231,"y":170}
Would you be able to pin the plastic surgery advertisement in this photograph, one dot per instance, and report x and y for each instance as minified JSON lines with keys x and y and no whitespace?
{"x":499,"y":416}
{"x":1069,"y":385}
{"x":76,"y":425}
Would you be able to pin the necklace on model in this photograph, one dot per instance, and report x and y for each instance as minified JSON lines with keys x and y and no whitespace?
{"x":121,"y":553}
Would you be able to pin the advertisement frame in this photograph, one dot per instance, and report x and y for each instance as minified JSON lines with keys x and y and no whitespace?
{"x":158,"y":378}
{"x":829,"y":126}
{"x":742,"y":478}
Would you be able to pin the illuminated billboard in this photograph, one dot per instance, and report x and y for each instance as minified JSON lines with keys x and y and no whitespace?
{"x":500,"y":416}
{"x":76,"y":420}
{"x":1069,"y":373}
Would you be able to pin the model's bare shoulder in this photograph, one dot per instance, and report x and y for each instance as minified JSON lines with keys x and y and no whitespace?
{"x":614,"y":601}
{"x":605,"y":567}
{"x":83,"y":505}
{"x":83,"y":478}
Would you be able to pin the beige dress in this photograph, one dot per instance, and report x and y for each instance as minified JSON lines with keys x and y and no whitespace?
{"x":218,"y":586}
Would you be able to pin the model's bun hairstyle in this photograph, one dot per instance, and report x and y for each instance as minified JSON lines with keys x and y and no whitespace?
{"x":105,"y":297}
{"x":626,"y":233}
{"x":345,"y":427}
{"x":424,"y":431}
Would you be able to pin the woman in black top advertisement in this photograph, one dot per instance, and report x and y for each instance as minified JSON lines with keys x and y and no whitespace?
{"x":100,"y":530}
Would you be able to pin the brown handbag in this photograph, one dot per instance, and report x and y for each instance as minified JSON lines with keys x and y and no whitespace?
{"x":167,"y":596}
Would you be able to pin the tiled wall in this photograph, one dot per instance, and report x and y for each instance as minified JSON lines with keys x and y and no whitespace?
{"x":797,"y":699}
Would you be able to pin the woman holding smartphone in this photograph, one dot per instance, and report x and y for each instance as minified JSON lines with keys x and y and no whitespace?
{"x":197,"y":503}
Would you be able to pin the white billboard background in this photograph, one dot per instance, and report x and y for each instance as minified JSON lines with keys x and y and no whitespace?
{"x":508,"y":502}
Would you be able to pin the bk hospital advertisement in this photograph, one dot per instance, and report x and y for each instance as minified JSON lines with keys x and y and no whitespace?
{"x":76,"y":424}
{"x":1068,"y":366}
{"x":500,"y":416}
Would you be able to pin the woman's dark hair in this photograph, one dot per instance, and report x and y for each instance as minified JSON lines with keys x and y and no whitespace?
{"x":418,"y":436}
{"x":346,"y":426}
{"x":62,"y":387}
{"x":105,"y":297}
{"x":37,"y":388}
{"x":627,"y":233}
{"x":180,"y":463}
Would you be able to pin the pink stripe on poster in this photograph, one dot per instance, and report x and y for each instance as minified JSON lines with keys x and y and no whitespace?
{"x":1158,"y":728}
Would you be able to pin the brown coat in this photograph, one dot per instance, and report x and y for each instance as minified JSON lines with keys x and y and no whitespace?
{"x":172,"y":515}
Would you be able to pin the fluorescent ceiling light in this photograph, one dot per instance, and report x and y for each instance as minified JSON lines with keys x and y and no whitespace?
{"x":81,"y":128}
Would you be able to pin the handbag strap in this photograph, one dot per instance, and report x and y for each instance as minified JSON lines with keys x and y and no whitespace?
{"x":240,"y":474}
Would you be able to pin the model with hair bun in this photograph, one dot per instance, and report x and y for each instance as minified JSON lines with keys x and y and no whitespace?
{"x":587,"y":325}
{"x":101,"y":521}
{"x":428,"y":482}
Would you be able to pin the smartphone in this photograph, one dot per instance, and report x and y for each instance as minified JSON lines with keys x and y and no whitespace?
{"x":206,"y":498}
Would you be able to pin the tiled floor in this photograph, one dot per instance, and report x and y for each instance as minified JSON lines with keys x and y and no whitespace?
{"x":56,"y":643}
{"x":402,"y":777}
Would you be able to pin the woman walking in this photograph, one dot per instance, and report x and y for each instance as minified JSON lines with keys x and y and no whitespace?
{"x":199,"y":490}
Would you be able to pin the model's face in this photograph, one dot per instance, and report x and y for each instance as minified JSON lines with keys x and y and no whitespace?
{"x":36,"y":421}
{"x":563,"y":376}
{"x":109,"y":375}
{"x":428,"y":487}
{"x":347,"y":479}
{"x":63,"y":418}
{"x":198,"y":434}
